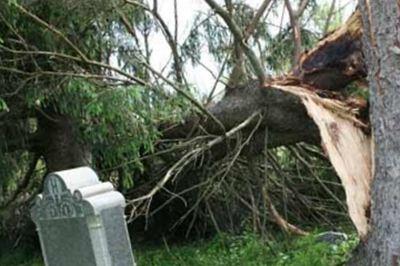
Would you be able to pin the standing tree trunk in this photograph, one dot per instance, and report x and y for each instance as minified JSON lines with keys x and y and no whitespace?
{"x":60,"y":145}
{"x":381,"y":22}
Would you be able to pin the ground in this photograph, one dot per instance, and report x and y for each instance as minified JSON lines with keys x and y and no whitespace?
{"x":246,"y":249}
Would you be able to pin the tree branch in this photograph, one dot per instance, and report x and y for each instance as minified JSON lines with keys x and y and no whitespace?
{"x":302,"y":6}
{"x":188,"y":157}
{"x":253,"y":23}
{"x":330,"y":14}
{"x":168,"y":36}
{"x":294,"y":22}
{"x":234,"y":28}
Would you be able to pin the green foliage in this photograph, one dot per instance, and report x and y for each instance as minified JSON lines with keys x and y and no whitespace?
{"x":190,"y":48}
{"x":118,"y":122}
{"x":227,"y":250}
{"x":275,"y":49}
{"x":279,"y":50}
{"x":353,"y":90}
{"x":209,"y":29}
{"x":3,"y":106}
{"x":251,"y":250}
{"x":320,"y":14}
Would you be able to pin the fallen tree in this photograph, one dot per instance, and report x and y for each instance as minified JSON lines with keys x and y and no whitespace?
{"x":308,"y":105}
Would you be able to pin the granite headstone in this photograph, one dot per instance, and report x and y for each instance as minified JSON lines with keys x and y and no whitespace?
{"x":80,"y":221}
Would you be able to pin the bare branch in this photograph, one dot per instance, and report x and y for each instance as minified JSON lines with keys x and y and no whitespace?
{"x":285,"y":225}
{"x":294,"y":22}
{"x":176,"y":21}
{"x":302,"y":6}
{"x":155,"y":5}
{"x":188,"y":157}
{"x":217,"y":80}
{"x":328,"y":19}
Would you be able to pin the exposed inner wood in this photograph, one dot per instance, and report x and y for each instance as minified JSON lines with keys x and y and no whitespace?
{"x":307,"y":105}
{"x":349,"y":150}
{"x":332,"y":64}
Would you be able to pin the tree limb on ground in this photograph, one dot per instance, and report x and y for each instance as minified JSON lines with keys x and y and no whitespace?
{"x":307,"y":105}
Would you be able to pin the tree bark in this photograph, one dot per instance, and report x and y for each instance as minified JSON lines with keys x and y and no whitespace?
{"x":307,"y":106}
{"x":60,"y":144}
{"x":381,"y":22}
{"x":336,"y":61}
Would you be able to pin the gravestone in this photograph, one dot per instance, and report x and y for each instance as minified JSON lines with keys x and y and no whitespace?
{"x":80,"y":221}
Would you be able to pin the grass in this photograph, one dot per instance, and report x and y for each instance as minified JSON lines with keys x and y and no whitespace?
{"x":21,"y":257}
{"x":247,"y":249}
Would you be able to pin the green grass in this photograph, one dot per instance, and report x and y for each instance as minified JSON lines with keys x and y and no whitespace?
{"x":247,"y":249}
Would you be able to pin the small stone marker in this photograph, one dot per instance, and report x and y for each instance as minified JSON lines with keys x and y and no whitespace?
{"x":80,"y":221}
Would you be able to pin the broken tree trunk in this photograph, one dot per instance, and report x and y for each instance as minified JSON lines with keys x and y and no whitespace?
{"x":336,"y":60}
{"x":294,"y":111}
{"x":344,"y":139}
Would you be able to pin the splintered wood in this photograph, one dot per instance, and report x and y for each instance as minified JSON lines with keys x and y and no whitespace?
{"x":349,"y":150}
{"x":334,"y":62}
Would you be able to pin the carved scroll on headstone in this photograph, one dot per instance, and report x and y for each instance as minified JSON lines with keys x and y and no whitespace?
{"x":80,"y":221}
